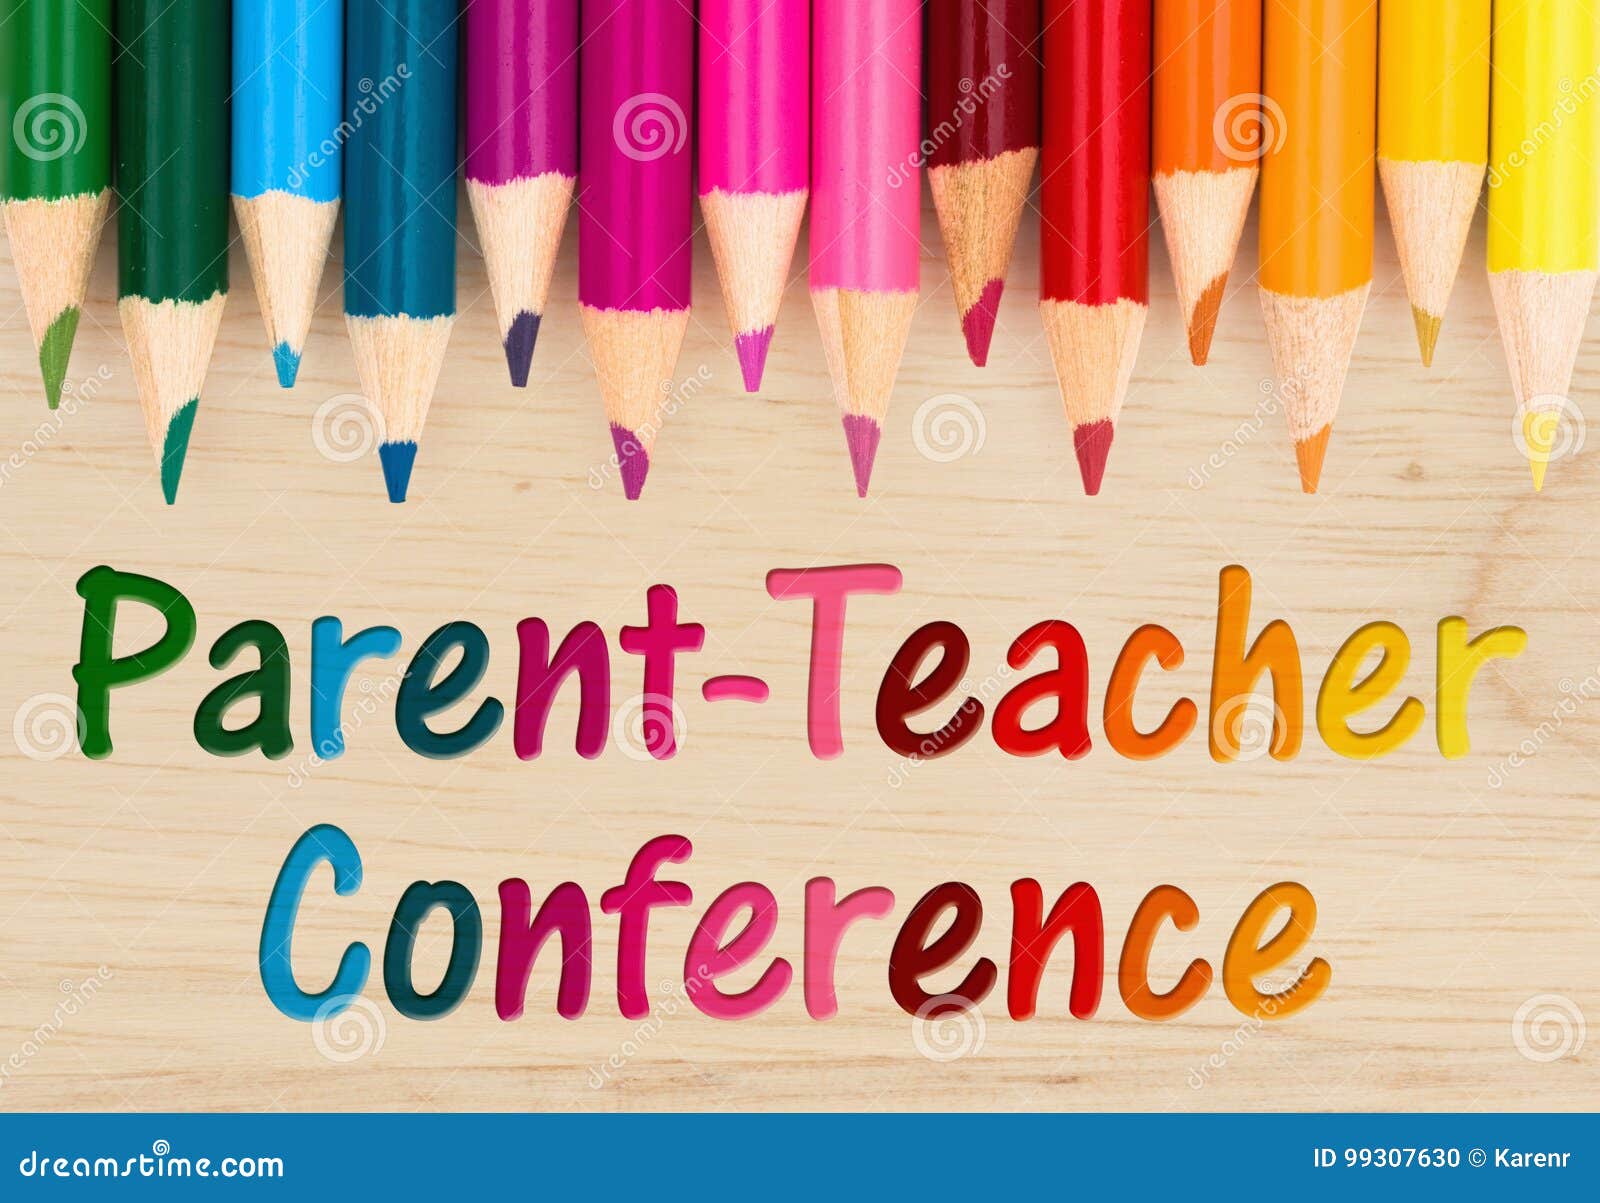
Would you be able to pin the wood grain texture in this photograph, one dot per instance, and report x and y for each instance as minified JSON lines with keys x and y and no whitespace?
{"x":1445,"y":903}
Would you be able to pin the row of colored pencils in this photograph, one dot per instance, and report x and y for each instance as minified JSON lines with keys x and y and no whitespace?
{"x":799,"y":101}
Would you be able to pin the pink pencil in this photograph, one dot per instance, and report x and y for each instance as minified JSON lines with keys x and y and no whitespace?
{"x":866,"y":216}
{"x":755,"y":148}
{"x":635,"y":211}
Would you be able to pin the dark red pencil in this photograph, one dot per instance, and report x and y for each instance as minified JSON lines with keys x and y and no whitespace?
{"x":983,"y":125}
{"x":1094,"y":201}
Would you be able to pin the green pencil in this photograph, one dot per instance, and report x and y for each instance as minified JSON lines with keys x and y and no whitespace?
{"x":55,"y":161}
{"x":172,"y":183}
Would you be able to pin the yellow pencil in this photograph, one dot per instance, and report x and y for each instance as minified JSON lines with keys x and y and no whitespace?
{"x":1433,"y":141}
{"x":1544,"y":202}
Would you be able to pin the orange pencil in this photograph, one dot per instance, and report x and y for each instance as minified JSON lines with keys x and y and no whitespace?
{"x":1318,"y":183}
{"x":1208,"y":132}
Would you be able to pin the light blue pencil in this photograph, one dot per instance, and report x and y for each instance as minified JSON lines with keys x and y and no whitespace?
{"x":288,"y":103}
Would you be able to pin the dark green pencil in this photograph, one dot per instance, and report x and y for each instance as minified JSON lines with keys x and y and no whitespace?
{"x":55,"y":161}
{"x":172,"y":83}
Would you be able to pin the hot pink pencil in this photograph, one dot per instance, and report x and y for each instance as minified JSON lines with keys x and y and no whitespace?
{"x":866,"y":214}
{"x":755,"y":157}
{"x":635,"y":211}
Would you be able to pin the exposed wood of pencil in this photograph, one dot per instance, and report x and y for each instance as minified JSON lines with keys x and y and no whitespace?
{"x":520,"y":225}
{"x":635,"y":354}
{"x":1203,"y":213}
{"x":980,"y":204}
{"x":1094,"y":348}
{"x":398,"y":361}
{"x":53,"y":245}
{"x":1312,"y":340}
{"x":1542,"y":319}
{"x":1431,"y":206}
{"x":753,"y":236}
{"x":286,"y":239}
{"x":170,"y":344}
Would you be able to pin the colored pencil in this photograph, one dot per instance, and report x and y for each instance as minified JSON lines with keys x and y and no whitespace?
{"x":1095,"y":207}
{"x":755,"y":158}
{"x":288,"y":101}
{"x":400,"y":213}
{"x":1208,"y":131}
{"x":55,"y":164}
{"x":635,"y":212}
{"x":1433,"y":142}
{"x":172,"y":223}
{"x":288,"y":73}
{"x":1318,"y":189}
{"x":1544,"y":202}
{"x":983,"y":126}
{"x":522,"y":154}
{"x":866,"y":208}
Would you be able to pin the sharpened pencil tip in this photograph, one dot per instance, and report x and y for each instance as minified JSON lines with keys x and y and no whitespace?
{"x":633,"y":460}
{"x":977,"y":323}
{"x":1539,"y":429}
{"x":862,"y":435}
{"x":1092,"y":442}
{"x":1427,"y":333}
{"x":752,"y":348}
{"x":1309,"y":454}
{"x":1203,"y":322}
{"x":519,"y":344}
{"x":287,"y":360}
{"x":175,"y":448}
{"x":55,"y":350}
{"x":397,"y":459}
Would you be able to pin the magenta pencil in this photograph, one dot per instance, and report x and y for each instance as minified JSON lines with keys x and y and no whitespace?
{"x":755,"y":157}
{"x":635,"y":211}
{"x":521,"y":154}
{"x":866,"y":204}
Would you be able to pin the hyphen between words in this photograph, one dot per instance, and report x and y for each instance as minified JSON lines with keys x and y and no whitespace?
{"x":924,"y":675}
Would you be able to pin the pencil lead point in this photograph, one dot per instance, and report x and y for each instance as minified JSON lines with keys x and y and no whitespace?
{"x":633,"y":460}
{"x":287,"y":360}
{"x":1203,"y":322}
{"x":175,"y":448}
{"x":55,"y":349}
{"x":752,"y":348}
{"x":1309,"y":454}
{"x":1092,"y":442}
{"x":862,"y":435}
{"x":977,"y":323}
{"x":519,"y":343}
{"x":397,"y":460}
{"x":1427,"y":333}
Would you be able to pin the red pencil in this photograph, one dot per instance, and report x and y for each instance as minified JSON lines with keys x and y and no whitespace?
{"x":983,"y":125}
{"x":1095,"y":210}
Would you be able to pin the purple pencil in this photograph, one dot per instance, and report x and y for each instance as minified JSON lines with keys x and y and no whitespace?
{"x":522,"y":153}
{"x":755,"y":157}
{"x":635,"y":212}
